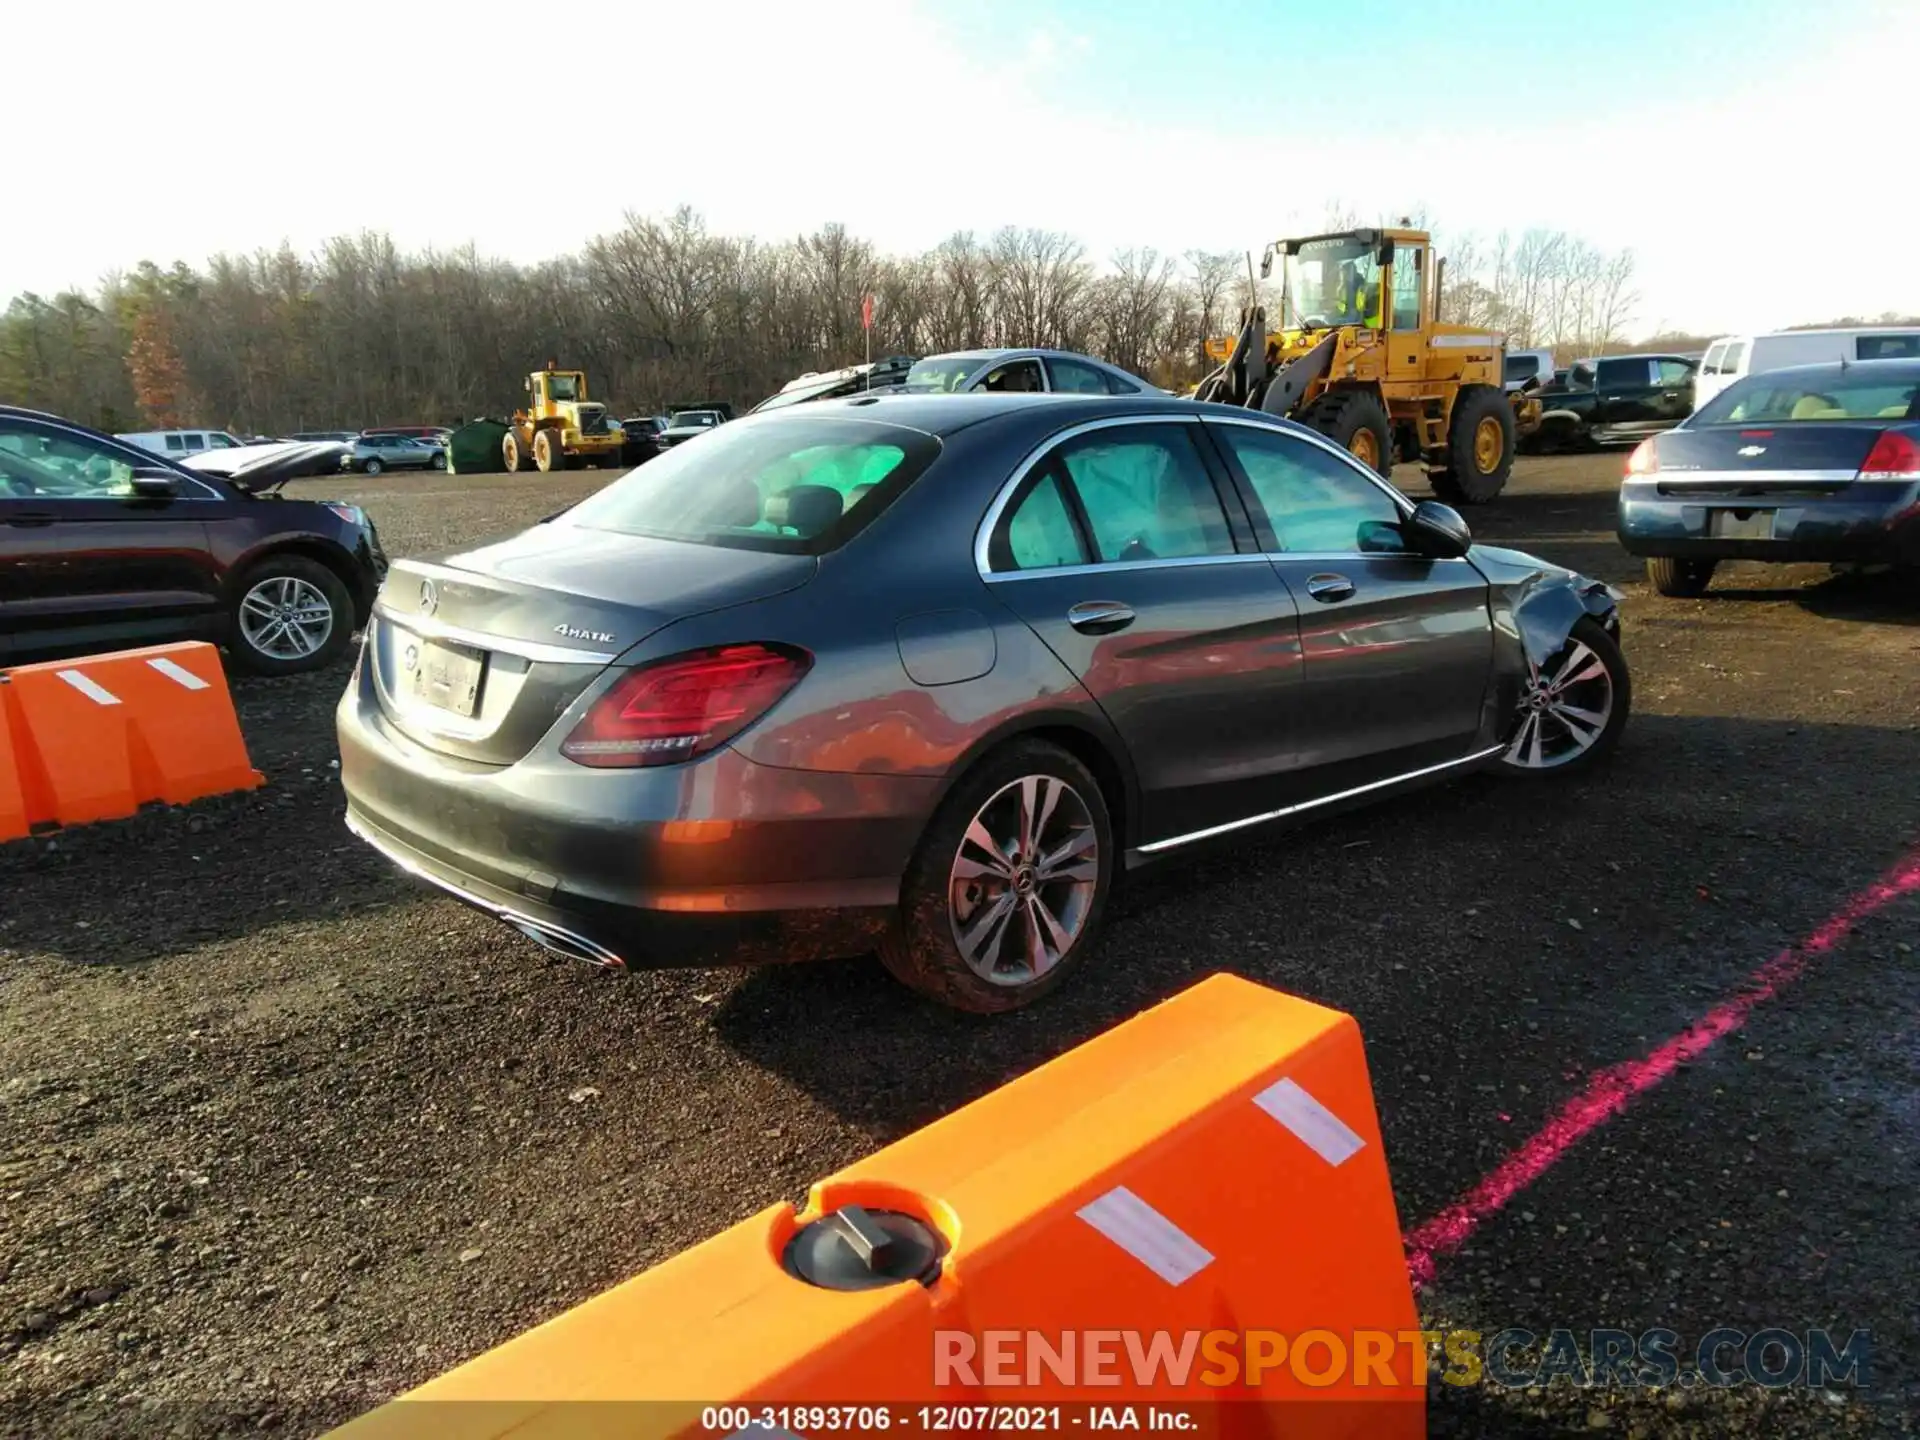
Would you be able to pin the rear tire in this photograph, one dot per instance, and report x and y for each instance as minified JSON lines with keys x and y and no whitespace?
{"x":374,"y":467}
{"x":1680,"y":579}
{"x":1357,"y":422}
{"x":439,"y":462}
{"x":547,"y":454}
{"x":1479,"y":448}
{"x":1053,"y":888}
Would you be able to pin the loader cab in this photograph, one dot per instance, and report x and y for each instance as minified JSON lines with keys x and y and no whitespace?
{"x":1405,"y":266}
{"x":547,"y":389}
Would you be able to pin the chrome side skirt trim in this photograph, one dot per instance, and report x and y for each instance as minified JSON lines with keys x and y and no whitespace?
{"x":543,"y":933}
{"x":1284,"y":811}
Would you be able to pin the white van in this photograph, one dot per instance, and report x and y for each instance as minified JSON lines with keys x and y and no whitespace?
{"x":1734,"y":356}
{"x":178,"y":444}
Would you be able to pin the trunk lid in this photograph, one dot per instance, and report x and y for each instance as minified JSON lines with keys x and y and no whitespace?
{"x":1805,"y":455}
{"x":478,"y":653}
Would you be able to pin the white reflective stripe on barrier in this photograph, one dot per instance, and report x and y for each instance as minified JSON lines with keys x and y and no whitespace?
{"x":90,"y":688}
{"x":179,"y":674}
{"x":1147,"y":1235}
{"x":1322,"y":1131}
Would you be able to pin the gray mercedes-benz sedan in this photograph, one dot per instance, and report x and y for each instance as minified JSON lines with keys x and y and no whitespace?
{"x":925,"y":675}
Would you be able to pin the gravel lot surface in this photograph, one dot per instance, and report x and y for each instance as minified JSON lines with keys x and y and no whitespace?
{"x":285,"y":1134}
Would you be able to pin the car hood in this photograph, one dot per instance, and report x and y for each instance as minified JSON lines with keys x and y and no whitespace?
{"x":259,"y":468}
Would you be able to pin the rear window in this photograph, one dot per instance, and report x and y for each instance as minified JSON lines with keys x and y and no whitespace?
{"x":1775,"y":398}
{"x":800,"y":485}
{"x":1624,"y":372}
{"x":1521,"y":367}
{"x":1886,"y":347}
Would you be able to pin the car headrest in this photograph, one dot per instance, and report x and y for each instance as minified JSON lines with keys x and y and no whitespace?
{"x":809,"y":509}
{"x":739,"y":508}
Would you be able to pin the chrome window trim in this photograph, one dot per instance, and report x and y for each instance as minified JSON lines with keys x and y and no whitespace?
{"x":534,"y":650}
{"x":1285,"y":810}
{"x":983,"y":536}
{"x":1345,"y":457}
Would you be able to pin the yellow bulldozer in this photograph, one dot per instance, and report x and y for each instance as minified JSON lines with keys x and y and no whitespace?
{"x":559,"y":427}
{"x":1361,"y":357}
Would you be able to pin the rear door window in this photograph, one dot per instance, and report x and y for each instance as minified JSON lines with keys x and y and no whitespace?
{"x":1735,"y":360}
{"x":1673,"y":373}
{"x":1886,"y":347}
{"x":1146,"y":494}
{"x":195,"y":440}
{"x":1711,"y":365}
{"x":1015,"y":376}
{"x":1073,"y":378}
{"x":1041,"y":533}
{"x":1623,"y":374}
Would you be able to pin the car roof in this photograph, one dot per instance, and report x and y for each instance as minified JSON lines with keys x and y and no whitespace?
{"x":942,"y":415}
{"x":1896,"y":369}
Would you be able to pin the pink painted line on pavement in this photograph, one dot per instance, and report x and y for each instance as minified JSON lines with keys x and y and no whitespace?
{"x":1612,"y":1089}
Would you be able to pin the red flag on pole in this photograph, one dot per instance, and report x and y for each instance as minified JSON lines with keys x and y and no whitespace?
{"x":866,"y":313}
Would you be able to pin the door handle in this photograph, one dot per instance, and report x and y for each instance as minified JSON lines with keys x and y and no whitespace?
{"x":1100,"y":617}
{"x":1329,"y":589}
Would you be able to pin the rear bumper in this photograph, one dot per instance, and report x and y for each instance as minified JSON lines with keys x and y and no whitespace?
{"x":1870,"y":522}
{"x":721,"y":861}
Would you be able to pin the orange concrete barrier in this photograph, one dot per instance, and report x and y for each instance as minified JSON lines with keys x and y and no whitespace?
{"x":13,"y":800}
{"x":98,"y":737}
{"x":1205,"y":1179}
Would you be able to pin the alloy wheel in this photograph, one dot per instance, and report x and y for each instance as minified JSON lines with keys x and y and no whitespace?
{"x":286,"y":618}
{"x":1022,"y":883}
{"x":1564,"y":709}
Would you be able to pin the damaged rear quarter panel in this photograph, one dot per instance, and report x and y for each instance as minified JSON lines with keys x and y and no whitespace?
{"x":1534,"y":606}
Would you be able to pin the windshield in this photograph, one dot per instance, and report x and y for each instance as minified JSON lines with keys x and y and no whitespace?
{"x":1781,"y":397}
{"x":562,"y":387}
{"x":695,"y":417}
{"x":943,"y":374}
{"x":1333,"y":282}
{"x":798,"y":484}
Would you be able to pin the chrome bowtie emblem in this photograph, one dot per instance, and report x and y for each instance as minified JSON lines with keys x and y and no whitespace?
{"x":429,"y":597}
{"x":1752,"y":450}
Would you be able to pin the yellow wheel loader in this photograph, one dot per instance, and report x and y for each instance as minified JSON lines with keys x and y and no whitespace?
{"x":1361,"y":357}
{"x":559,"y":427}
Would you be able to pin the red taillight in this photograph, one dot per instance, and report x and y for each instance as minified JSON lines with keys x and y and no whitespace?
{"x":679,"y":708}
{"x":1644,"y":460}
{"x":1895,"y":456}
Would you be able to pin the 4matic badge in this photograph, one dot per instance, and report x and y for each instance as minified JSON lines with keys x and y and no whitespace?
{"x":574,"y":632}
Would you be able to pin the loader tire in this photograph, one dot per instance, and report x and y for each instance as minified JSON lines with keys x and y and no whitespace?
{"x":513,"y":457}
{"x":1356,"y":421}
{"x":547,"y":454}
{"x":1479,"y":448}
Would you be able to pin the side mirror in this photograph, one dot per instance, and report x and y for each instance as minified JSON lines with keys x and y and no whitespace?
{"x":153,"y":484}
{"x":1266,"y":263}
{"x":1385,"y":257}
{"x":1437,"y":531}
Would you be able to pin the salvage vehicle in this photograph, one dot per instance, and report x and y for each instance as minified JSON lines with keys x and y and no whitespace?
{"x":1805,"y":463}
{"x":104,"y":545}
{"x":559,"y":427}
{"x":1362,"y":358}
{"x":832,"y":384}
{"x":684,"y":425}
{"x":1614,"y":400}
{"x":1733,"y":357}
{"x":928,"y":673}
{"x":962,"y":372}
{"x":376,"y":452}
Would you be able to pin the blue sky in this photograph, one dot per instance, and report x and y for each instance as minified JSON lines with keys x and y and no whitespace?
{"x":1741,"y":148}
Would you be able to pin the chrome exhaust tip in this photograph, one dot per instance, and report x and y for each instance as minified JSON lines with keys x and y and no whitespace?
{"x":563,"y":942}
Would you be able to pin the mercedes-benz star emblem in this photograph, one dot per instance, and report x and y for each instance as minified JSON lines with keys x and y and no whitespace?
{"x":429,"y":596}
{"x":412,"y":657}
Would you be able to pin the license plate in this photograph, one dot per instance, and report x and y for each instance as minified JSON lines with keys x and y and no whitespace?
{"x":1729,"y":526}
{"x":447,"y":677}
